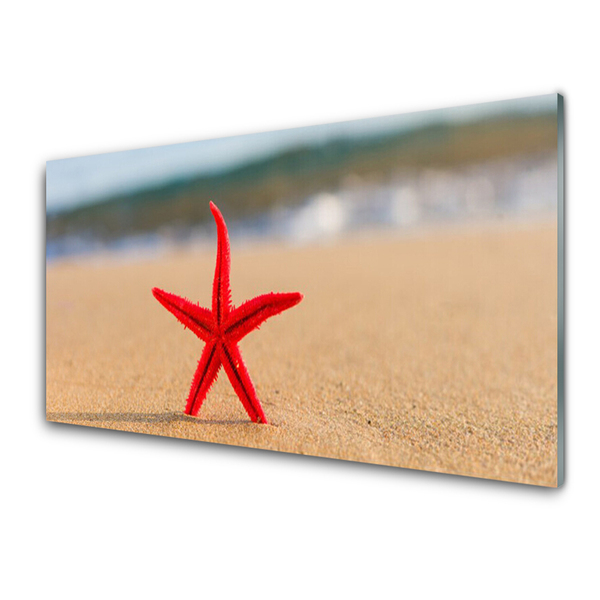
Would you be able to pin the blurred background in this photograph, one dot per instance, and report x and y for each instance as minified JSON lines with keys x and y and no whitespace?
{"x":486,"y":162}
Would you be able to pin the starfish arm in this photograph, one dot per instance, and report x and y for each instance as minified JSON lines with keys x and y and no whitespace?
{"x":253,"y":313}
{"x":221,"y":301}
{"x":205,"y":376}
{"x":196,"y":318}
{"x":237,"y":372}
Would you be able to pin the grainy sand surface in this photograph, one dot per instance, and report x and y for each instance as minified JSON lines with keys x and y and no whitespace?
{"x":436,"y":351}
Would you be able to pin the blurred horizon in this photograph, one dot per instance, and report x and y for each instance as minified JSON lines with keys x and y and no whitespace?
{"x":71,"y":182}
{"x":495,"y":159}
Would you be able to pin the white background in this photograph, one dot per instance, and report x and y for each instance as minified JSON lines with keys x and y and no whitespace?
{"x":94,"y":514}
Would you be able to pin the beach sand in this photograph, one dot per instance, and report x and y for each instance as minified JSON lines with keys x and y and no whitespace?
{"x":434,"y":351}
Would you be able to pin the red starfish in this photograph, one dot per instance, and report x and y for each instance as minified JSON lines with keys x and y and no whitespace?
{"x":222,"y":329}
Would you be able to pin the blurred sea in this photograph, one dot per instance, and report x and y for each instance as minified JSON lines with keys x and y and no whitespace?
{"x":488,"y":162}
{"x":513,"y":188}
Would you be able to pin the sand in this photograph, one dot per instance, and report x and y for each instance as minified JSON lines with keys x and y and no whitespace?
{"x":434,"y":351}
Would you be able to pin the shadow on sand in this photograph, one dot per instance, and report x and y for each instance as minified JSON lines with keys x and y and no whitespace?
{"x":132,"y":417}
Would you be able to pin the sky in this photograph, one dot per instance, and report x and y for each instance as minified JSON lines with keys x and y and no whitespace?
{"x":82,"y":180}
